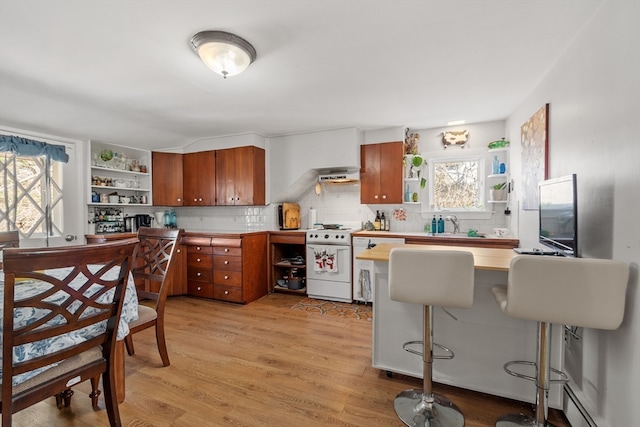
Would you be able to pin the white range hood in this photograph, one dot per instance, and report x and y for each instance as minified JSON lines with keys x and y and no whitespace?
{"x":339,"y":175}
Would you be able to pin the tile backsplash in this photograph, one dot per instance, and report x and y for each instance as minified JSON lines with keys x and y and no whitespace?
{"x":335,"y":203}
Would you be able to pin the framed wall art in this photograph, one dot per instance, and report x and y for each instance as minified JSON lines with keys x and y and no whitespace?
{"x":534,"y":136}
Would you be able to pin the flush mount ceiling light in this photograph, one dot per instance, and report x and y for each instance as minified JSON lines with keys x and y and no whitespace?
{"x":225,"y":53}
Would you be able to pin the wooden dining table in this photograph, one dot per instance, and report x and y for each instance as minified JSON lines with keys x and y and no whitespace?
{"x":25,"y":288}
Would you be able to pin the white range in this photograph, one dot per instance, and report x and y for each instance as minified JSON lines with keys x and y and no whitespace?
{"x":329,"y":262}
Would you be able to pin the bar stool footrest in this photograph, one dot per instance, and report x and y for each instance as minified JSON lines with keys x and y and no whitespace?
{"x":407,"y":347}
{"x":563,"y":377}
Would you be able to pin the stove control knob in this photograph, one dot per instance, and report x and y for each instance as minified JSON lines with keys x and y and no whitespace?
{"x":326,"y":236}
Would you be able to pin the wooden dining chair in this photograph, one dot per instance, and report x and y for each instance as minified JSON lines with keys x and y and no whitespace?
{"x":9,"y":239}
{"x":152,"y":262}
{"x":77,"y":295}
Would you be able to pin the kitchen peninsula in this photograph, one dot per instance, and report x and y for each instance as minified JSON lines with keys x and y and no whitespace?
{"x":483,"y":338}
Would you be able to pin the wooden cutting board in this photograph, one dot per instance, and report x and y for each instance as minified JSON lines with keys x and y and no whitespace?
{"x":290,"y":215}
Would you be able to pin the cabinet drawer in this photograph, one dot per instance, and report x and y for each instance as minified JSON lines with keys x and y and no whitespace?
{"x":200,"y":274}
{"x":198,"y":289}
{"x":226,"y":250}
{"x":227,"y":293}
{"x":232,"y":263}
{"x":199,"y":260}
{"x":229,"y":278}
{"x":197,"y":249}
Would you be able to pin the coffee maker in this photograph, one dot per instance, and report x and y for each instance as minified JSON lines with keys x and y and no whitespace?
{"x":133,"y":223}
{"x":143,"y":220}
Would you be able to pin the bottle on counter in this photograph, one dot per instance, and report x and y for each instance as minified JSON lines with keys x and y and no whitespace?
{"x":434,"y":226}
{"x":407,"y":194}
{"x":440,"y":225}
{"x":173,"y":221}
{"x":383,"y":222}
{"x":376,"y":223}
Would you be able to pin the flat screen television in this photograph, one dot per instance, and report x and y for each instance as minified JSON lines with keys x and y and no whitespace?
{"x":558,"y":211}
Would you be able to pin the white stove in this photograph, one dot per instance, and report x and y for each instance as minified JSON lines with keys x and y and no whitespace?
{"x":329,"y":263}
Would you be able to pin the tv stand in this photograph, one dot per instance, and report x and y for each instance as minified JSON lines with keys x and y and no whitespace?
{"x":536,"y":251}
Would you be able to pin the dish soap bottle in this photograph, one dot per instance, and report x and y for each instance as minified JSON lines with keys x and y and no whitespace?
{"x":434,"y":226}
{"x":440,"y":225}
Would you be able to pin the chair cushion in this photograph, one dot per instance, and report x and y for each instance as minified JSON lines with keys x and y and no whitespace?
{"x":68,"y":365}
{"x":145,"y":314}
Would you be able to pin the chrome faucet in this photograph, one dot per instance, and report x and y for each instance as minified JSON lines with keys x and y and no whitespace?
{"x":454,"y":221}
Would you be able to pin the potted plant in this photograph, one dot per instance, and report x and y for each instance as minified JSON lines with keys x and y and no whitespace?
{"x":415,"y":164}
{"x":498,"y":192}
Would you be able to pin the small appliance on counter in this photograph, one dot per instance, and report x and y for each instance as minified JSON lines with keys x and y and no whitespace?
{"x":289,"y":216}
{"x":133,"y":223}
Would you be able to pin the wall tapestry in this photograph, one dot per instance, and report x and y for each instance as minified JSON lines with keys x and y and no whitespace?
{"x":534,"y":135}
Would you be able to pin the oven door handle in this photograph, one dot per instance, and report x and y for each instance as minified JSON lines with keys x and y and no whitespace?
{"x":336,"y":247}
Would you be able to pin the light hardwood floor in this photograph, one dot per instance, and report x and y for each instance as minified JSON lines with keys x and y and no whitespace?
{"x":262,"y":364}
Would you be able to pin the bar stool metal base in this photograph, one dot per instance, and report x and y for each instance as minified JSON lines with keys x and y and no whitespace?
{"x":414,"y":409}
{"x":520,"y":420}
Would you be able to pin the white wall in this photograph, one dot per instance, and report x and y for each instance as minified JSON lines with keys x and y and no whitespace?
{"x":594,"y":97}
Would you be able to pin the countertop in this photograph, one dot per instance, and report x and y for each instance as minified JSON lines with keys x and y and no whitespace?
{"x":484,"y":258}
{"x":445,"y":239}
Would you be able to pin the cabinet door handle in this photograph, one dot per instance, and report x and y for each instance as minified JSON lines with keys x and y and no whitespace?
{"x":198,"y":274}
{"x":199,"y":288}
{"x":195,"y":199}
{"x":384,"y":196}
{"x":375,"y":197}
{"x":226,"y":292}
{"x":178,"y":250}
{"x":226,"y":277}
{"x":226,"y":249}
{"x":197,"y":259}
{"x":179,"y":199}
{"x":226,"y":262}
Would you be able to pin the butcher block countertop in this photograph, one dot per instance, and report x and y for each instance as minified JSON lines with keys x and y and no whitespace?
{"x":446,"y":239}
{"x":484,"y":258}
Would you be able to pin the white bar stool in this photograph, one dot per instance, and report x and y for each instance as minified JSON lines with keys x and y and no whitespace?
{"x":431,"y":278}
{"x":570,"y":291}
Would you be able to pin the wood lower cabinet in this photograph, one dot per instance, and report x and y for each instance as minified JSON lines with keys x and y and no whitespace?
{"x":381,"y":173}
{"x":199,"y":178}
{"x":230,"y":268}
{"x":167,"y":174}
{"x":285,"y":246}
{"x":199,"y":266}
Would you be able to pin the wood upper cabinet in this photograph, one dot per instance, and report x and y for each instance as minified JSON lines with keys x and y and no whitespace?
{"x":167,"y":179}
{"x":240,"y":176}
{"x":199,"y":178}
{"x":381,"y":173}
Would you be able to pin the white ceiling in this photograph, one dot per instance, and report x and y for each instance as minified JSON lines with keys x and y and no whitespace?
{"x":123,"y":71}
